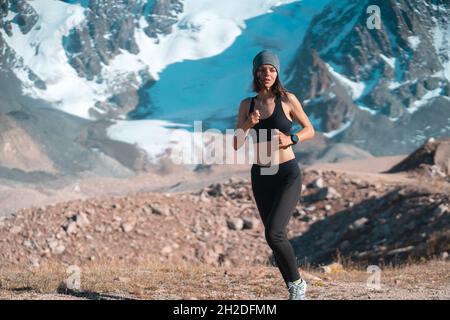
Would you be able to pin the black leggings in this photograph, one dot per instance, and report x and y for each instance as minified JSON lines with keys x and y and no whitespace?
{"x":276,"y":196}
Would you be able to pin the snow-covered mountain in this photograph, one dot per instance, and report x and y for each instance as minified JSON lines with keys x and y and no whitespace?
{"x":384,"y":90}
{"x":154,"y":65}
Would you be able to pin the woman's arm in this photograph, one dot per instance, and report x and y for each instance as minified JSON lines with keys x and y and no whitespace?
{"x":300,"y":116}
{"x":244,"y":123}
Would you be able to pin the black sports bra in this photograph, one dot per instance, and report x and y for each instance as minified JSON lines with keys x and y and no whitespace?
{"x":277,"y":120}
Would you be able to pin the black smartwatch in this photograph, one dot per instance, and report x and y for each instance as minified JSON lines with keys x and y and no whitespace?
{"x":294,"y":138}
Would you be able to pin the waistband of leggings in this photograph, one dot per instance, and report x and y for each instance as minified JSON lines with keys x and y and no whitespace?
{"x":271,"y":166}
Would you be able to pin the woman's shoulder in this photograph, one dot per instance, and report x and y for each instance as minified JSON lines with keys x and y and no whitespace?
{"x":245,"y":103}
{"x":246,"y":100}
{"x":289,"y":98}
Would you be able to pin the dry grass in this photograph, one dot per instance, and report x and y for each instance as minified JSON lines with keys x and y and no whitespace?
{"x":147,"y":281}
{"x":428,"y":280}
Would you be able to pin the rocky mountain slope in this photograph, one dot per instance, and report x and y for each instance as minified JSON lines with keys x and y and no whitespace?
{"x":40,"y":143}
{"x":385,"y":90}
{"x":109,"y":30}
{"x":432,"y":159}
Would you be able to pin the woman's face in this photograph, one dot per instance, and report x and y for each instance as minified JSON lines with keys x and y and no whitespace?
{"x":267,"y":74}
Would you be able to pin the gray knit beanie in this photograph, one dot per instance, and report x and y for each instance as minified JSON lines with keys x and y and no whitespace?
{"x":266,"y":57}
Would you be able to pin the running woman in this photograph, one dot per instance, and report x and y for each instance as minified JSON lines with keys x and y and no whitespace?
{"x":270,"y":115}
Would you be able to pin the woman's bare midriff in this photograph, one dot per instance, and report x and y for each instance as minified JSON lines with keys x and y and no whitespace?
{"x":271,"y":157}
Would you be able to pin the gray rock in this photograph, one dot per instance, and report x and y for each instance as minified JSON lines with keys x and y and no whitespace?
{"x":82,"y":220}
{"x":71,"y":227}
{"x":127,"y":227}
{"x":400,"y":250}
{"x":318,"y":183}
{"x":310,"y":208}
{"x":298,"y":212}
{"x":332,"y":193}
{"x":166,"y":250}
{"x":204,"y":196}
{"x":160,"y":210}
{"x":147,"y":209}
{"x":215,"y":190}
{"x":90,"y":211}
{"x":251,"y":223}
{"x":440,"y":210}
{"x":326,"y":193}
{"x":359,"y":223}
{"x":27,"y":243}
{"x":56,"y":247}
{"x":359,"y":183}
{"x":34,"y":261}
{"x":371,"y":194}
{"x":235,"y":223}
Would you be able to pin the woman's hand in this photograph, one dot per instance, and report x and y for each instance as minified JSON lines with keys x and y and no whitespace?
{"x":284,"y":140}
{"x":253,"y":118}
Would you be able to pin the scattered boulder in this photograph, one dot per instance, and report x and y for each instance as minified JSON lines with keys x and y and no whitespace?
{"x":82,"y":220}
{"x":441,"y":210}
{"x":317,"y":184}
{"x":235,"y":223}
{"x":71,"y":227}
{"x":325,"y":193}
{"x":127,"y":227}
{"x":251,"y":223}
{"x":56,"y":247}
{"x":166,"y":250}
{"x":432,"y":157}
{"x":358,"y":224}
{"x":160,"y":210}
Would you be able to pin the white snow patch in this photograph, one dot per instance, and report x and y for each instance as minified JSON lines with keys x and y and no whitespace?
{"x":150,"y":135}
{"x":394,"y":84}
{"x":334,"y":133}
{"x":426,"y":98}
{"x":389,"y":61}
{"x":394,"y":119}
{"x":355,"y":88}
{"x":362,"y":107}
{"x":413,"y":42}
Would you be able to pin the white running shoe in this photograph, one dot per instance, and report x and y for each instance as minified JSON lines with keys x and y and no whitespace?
{"x":297,"y":291}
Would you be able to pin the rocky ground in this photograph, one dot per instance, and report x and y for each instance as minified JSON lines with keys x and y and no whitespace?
{"x":219,"y":225}
{"x":345,"y":221}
